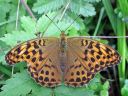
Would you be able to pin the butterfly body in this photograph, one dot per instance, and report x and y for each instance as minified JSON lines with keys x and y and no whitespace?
{"x":74,"y":60}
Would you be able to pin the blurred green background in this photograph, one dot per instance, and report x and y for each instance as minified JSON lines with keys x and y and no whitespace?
{"x":21,"y":20}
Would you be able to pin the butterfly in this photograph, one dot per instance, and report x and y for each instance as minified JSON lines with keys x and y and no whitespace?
{"x":72,"y":60}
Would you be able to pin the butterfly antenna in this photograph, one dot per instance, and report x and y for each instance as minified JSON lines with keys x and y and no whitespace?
{"x":48,"y":24}
{"x":65,"y":8}
{"x":72,"y":23}
{"x":53,"y":22}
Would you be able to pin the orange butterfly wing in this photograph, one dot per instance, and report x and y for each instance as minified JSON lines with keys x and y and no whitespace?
{"x":42,"y":60}
{"x":86,"y":57}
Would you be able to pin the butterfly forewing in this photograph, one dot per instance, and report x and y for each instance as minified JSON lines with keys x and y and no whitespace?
{"x":42,"y":59}
{"x":86,"y":57}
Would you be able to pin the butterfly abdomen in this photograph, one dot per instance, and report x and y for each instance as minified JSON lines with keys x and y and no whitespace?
{"x":63,"y":48}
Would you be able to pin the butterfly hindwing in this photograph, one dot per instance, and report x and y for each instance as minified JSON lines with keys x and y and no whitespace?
{"x":76,"y":74}
{"x":38,"y":53}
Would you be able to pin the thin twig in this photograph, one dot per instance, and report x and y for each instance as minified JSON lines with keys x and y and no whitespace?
{"x":66,"y":7}
{"x":12,"y":70}
{"x":17,"y":14}
{"x":110,"y":77}
{"x":6,"y":22}
{"x":16,"y":27}
{"x":116,"y":79}
{"x":28,"y":9}
{"x":99,"y":21}
{"x":105,"y":36}
{"x":52,"y":92}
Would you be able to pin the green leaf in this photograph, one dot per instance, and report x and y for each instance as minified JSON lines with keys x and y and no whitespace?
{"x":28,"y":24}
{"x":69,"y":91}
{"x":3,"y":48}
{"x":47,"y":27}
{"x":3,"y":10}
{"x":2,"y":31}
{"x":44,"y":6}
{"x":87,"y":90}
{"x":22,"y":84}
{"x":11,"y":25}
{"x":92,"y":1}
{"x":14,"y":37}
{"x":87,"y":10}
{"x":8,"y":11}
{"x":17,"y":36}
{"x":106,"y":85}
{"x":73,"y":32}
{"x":54,"y":28}
{"x":94,"y":83}
{"x":81,"y":7}
{"x":75,"y":21}
{"x":75,"y":6}
{"x":104,"y":93}
{"x":6,"y":1}
{"x":124,"y":90}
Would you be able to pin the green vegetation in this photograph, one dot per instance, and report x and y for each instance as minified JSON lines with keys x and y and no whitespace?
{"x":19,"y":22}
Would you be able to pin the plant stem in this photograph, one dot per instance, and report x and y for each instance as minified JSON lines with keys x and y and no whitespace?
{"x":99,"y":21}
{"x":17,"y":14}
{"x":66,"y":7}
{"x":121,"y":31}
{"x":110,"y":12}
{"x":6,"y":22}
{"x":121,"y":47}
{"x":28,"y":9}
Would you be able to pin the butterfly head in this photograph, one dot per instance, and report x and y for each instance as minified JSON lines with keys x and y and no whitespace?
{"x":62,"y":34}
